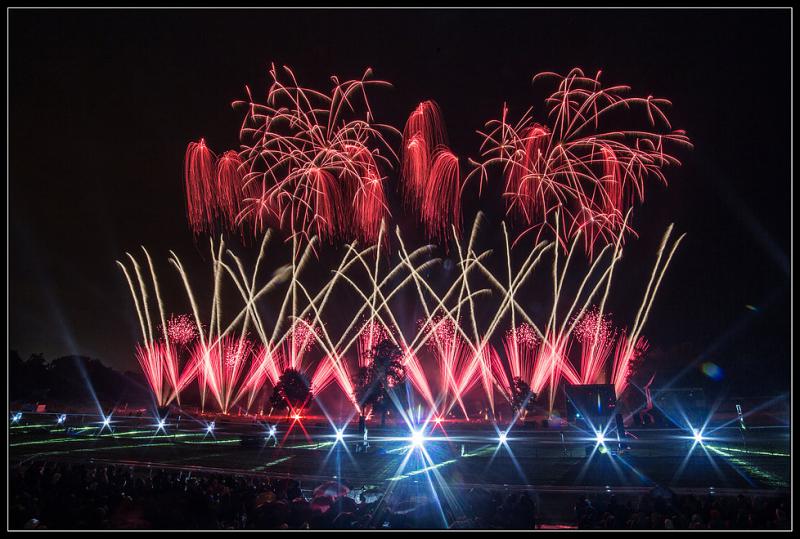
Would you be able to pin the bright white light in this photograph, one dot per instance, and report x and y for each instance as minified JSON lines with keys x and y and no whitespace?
{"x":16,"y":417}
{"x":600,"y":438}
{"x":438,"y":420}
{"x":61,"y":418}
{"x":161,"y":424}
{"x":210,"y":427}
{"x":296,"y":417}
{"x":106,"y":421}
{"x":417,"y":438}
{"x":503,"y":437}
{"x":272,"y":431}
{"x":339,"y":435}
{"x":697,"y":435}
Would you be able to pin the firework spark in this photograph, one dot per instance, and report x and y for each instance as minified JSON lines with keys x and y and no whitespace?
{"x":313,"y":160}
{"x":231,"y":366}
{"x":315,"y":163}
{"x":431,"y":174}
{"x":181,"y":329}
{"x":596,"y":334}
{"x":579,"y":167}
{"x":229,"y":186}
{"x":372,"y":334}
{"x":151,"y":360}
{"x":266,"y":366}
{"x":199,"y":172}
{"x":626,"y":354}
{"x":520,"y":348}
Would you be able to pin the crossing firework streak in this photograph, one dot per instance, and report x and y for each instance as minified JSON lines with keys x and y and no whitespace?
{"x":233,"y":358}
{"x":315,"y":165}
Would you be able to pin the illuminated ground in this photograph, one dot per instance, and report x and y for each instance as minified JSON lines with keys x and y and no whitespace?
{"x":529,"y":458}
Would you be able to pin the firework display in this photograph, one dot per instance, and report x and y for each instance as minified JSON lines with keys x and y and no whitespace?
{"x":596,"y":333}
{"x":576,"y":344}
{"x":431,"y":176}
{"x":358,"y":269}
{"x":310,"y":162}
{"x":181,"y":329}
{"x":583,"y":168}
{"x":316,"y":164}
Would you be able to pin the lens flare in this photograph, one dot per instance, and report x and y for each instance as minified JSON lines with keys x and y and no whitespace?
{"x":417,"y":438}
{"x":600,"y":438}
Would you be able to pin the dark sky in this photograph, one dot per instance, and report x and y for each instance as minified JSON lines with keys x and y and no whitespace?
{"x":102,"y":104}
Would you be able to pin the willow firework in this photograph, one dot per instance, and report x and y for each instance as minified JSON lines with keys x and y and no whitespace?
{"x":310,"y":162}
{"x":316,"y":163}
{"x":583,"y":168}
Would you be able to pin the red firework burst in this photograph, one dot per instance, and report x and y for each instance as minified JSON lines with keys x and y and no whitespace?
{"x":524,"y":334}
{"x":431,"y":175}
{"x":152,"y":358}
{"x":424,"y":131}
{"x":596,"y":334}
{"x":229,"y":186}
{"x":199,"y":170}
{"x":520,"y":348}
{"x":313,"y":160}
{"x":579,"y":168}
{"x":181,"y":329}
{"x":626,"y":355}
{"x":372,"y":334}
{"x":220,"y":367}
{"x":302,"y":339}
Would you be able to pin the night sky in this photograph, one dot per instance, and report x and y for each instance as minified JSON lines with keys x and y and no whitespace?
{"x":103,"y":103}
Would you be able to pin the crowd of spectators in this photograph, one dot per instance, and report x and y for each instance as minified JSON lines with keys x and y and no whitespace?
{"x":667,"y":511}
{"x":61,"y":495}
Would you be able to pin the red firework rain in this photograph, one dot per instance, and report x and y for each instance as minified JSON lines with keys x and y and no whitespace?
{"x":316,"y":163}
{"x":431,"y":176}
{"x":310,"y":162}
{"x":579,"y":167}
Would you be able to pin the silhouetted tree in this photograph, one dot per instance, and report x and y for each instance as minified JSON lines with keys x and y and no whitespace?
{"x":522,"y":398}
{"x":292,"y":391}
{"x":29,"y":379}
{"x":375,"y":382}
{"x":72,"y":380}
